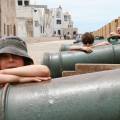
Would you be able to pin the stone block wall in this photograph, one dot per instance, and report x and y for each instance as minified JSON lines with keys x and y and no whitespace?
{"x":106,"y":29}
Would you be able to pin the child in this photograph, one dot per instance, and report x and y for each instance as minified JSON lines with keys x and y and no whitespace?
{"x":88,"y":40}
{"x":15,"y":64}
{"x":117,"y":33}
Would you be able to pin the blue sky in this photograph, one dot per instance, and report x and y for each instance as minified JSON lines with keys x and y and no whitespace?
{"x":88,"y":15}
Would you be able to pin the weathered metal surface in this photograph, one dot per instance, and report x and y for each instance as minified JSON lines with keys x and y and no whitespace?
{"x":93,"y":96}
{"x":1,"y":106}
{"x":3,"y":92}
{"x":58,"y":62}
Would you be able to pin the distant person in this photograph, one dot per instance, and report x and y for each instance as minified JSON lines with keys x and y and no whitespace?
{"x":59,"y":34}
{"x":77,"y":39}
{"x":117,"y":33}
{"x":87,"y":40}
{"x":65,"y":37}
{"x":68,"y":36}
{"x":15,"y":64}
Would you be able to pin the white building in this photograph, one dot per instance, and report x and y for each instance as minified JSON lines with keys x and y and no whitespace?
{"x":62,"y":23}
{"x":48,"y":22}
{"x":24,"y":18}
{"x":30,"y":19}
{"x":57,"y":21}
{"x":38,"y":20}
{"x":68,"y":27}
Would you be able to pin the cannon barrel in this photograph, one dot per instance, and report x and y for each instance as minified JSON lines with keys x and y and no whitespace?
{"x":58,"y":62}
{"x":93,"y":96}
{"x":66,"y":47}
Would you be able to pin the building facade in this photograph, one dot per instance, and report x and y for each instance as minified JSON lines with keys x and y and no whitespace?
{"x":7,"y":17}
{"x":68,"y":28}
{"x":38,"y":20}
{"x":30,"y":19}
{"x":57,"y":21}
{"x":24,"y":18}
{"x":62,"y":23}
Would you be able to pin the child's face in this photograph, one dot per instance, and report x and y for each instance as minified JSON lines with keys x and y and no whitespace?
{"x":88,"y":45}
{"x":10,"y":61}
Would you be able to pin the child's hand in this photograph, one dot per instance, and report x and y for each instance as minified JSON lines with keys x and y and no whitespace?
{"x":87,"y":49}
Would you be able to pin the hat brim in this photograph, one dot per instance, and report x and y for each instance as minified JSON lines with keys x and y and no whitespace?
{"x":15,"y":51}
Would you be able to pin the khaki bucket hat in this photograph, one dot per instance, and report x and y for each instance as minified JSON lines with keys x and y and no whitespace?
{"x":16,"y":46}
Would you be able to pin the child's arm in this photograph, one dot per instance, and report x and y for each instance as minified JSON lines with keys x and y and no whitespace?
{"x":28,"y":71}
{"x":84,"y":49}
{"x":23,"y":74}
{"x":8,"y":78}
{"x":4,"y":78}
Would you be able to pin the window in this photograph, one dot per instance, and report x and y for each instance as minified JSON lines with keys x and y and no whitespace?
{"x":65,"y":17}
{"x":58,"y":21}
{"x":58,"y":14}
{"x":26,"y":3}
{"x":20,"y":3}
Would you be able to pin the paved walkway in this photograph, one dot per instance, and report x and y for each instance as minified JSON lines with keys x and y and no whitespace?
{"x":37,"y":50}
{"x":43,"y":39}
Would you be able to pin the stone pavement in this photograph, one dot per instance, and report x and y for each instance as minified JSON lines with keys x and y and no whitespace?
{"x":42,"y":39}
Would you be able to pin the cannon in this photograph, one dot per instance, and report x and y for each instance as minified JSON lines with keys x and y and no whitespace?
{"x":113,"y":40}
{"x":59,"y":62}
{"x":66,"y":47}
{"x":93,"y":96}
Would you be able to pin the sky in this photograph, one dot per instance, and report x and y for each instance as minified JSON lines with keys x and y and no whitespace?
{"x":87,"y":15}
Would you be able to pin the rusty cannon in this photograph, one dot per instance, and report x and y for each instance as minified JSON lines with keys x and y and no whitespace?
{"x":59,"y":62}
{"x":93,"y":96}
